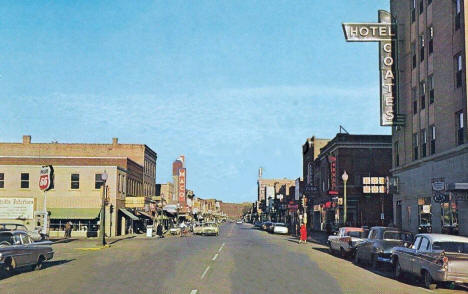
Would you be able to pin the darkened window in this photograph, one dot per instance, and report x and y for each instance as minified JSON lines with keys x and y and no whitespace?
{"x":421,"y":46}
{"x":415,"y":146}
{"x":413,"y":52}
{"x":24,"y":180}
{"x":415,"y":101}
{"x":430,"y":33}
{"x":2,"y":180}
{"x":460,"y":127}
{"x":430,"y":85}
{"x":433,"y":138}
{"x":397,"y":155}
{"x":413,"y":11}
{"x":423,"y":143}
{"x":457,"y":14}
{"x":429,"y":2}
{"x":422,"y":94}
{"x":99,"y":181}
{"x":421,"y":6}
{"x":75,"y":181}
{"x":459,"y":70}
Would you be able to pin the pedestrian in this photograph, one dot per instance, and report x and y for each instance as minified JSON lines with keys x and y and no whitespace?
{"x":70,"y":229}
{"x":303,"y":231}
{"x":67,"y":229}
{"x":159,"y":230}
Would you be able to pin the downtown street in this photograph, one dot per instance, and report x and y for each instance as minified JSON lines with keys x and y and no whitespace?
{"x":240,"y":260}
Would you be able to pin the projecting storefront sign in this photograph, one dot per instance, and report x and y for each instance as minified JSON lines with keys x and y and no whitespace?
{"x":182,"y":177}
{"x":333,"y":189}
{"x":384,"y":33}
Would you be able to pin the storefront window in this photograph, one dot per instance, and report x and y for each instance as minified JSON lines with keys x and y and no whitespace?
{"x":424,"y":215}
{"x":449,"y":215}
{"x":78,"y":225}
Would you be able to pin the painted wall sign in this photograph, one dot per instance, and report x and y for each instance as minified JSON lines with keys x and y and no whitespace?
{"x":16,"y":208}
{"x":384,"y":33}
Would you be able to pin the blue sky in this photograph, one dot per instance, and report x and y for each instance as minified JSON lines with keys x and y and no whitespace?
{"x":232,"y":85}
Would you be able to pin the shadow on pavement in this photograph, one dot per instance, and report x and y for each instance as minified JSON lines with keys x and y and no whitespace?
{"x":57,"y":241}
{"x":4,"y":276}
{"x":118,"y":240}
{"x":293,"y":241}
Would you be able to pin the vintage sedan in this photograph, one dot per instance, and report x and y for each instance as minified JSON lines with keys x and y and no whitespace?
{"x":210,"y":229}
{"x":280,"y":228}
{"x":36,"y":234}
{"x":378,"y":247}
{"x":346,"y":240}
{"x":197,"y":228}
{"x":18,"y":250}
{"x":435,"y":258}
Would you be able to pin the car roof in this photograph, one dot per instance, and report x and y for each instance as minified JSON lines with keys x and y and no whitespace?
{"x":16,"y":232}
{"x":352,"y":229}
{"x":444,"y":238}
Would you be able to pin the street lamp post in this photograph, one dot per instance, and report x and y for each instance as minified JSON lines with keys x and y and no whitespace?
{"x":103,"y":208}
{"x":345,"y":179}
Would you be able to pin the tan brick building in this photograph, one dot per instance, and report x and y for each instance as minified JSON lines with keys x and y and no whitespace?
{"x":432,"y":146}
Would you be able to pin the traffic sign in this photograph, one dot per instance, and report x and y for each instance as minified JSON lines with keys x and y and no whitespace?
{"x":46,"y":177}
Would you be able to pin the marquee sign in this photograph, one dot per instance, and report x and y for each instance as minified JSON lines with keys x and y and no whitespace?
{"x":182,"y":185}
{"x":384,"y":33}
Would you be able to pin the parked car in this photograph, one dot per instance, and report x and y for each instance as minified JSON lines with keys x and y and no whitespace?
{"x":378,"y":247}
{"x":239,"y":221}
{"x":18,"y":250}
{"x":197,"y":228}
{"x":175,"y":231}
{"x":258,"y":224}
{"x":36,"y":235}
{"x":346,"y":240}
{"x":266,"y":225}
{"x":210,"y":229}
{"x":279,"y":228}
{"x":435,"y":258}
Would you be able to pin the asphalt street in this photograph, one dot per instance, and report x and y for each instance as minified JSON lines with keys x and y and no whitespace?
{"x":241,"y":260}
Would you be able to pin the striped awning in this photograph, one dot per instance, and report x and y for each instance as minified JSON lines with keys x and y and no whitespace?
{"x":74,"y":213}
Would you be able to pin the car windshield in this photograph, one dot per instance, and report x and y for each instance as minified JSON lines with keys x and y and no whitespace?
{"x":390,"y":235}
{"x":355,"y":234}
{"x":456,"y":247}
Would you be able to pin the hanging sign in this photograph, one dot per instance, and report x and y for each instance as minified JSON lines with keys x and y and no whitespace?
{"x":46,"y":176}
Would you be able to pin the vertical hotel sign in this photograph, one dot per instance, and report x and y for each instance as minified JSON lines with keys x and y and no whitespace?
{"x":182,"y":182}
{"x":383,"y":33}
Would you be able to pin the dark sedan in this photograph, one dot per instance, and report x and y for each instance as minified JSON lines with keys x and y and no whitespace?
{"x":378,"y":247}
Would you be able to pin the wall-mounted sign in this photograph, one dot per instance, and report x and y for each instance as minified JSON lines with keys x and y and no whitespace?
{"x":16,"y":208}
{"x":332,"y":161}
{"x":181,"y":190}
{"x":384,"y":33}
{"x":374,"y":185}
{"x":135,"y":202}
{"x":296,"y":190}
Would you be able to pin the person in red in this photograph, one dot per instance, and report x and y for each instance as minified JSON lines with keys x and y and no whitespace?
{"x":303,"y":232}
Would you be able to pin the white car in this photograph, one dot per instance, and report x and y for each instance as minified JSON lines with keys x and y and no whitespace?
{"x":280,"y":228}
{"x":239,"y":222}
{"x":345,"y":240}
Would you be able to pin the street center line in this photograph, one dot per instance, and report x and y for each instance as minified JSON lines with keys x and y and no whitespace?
{"x":221,"y":248}
{"x":204,"y":273}
{"x":215,"y":256}
{"x":194,"y":291}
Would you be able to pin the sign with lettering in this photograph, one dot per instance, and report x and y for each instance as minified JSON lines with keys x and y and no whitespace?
{"x":46,"y":177}
{"x":17,"y":208}
{"x":384,"y":33}
{"x":134,"y":202}
{"x":182,"y":177}
{"x":332,"y":161}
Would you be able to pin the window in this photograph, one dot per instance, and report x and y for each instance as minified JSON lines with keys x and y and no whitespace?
{"x":416,"y":243}
{"x":422,"y":93}
{"x":413,"y":11}
{"x":2,"y":180}
{"x":423,"y":143}
{"x":397,"y":156}
{"x":429,"y":2}
{"x":457,"y":14}
{"x":460,"y":127}
{"x":98,"y":181}
{"x":421,"y":6}
{"x":421,"y":46}
{"x":24,"y":180}
{"x":430,"y":33}
{"x":75,"y":181}
{"x":415,"y":146}
{"x":424,"y":244}
{"x":415,"y":101}
{"x":459,"y":69}
{"x":413,"y":53}
{"x":433,"y":138}
{"x":430,"y":85}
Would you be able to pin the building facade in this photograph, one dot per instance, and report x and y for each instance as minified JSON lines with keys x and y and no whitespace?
{"x":430,"y":152}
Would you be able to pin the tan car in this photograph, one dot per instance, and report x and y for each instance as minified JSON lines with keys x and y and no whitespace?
{"x":435,"y":258}
{"x":198,"y":228}
{"x":210,"y":229}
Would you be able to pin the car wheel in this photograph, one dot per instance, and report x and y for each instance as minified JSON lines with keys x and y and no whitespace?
{"x":374,"y":263}
{"x":428,"y":281}
{"x":9,"y":267}
{"x":397,"y":270}
{"x":342,"y":253}
{"x":38,"y":265}
{"x":357,"y":261}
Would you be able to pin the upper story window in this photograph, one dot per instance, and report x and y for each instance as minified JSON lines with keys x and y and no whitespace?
{"x":422,"y":93}
{"x":460,"y":127}
{"x":430,"y":85}
{"x":457,"y":14}
{"x":459,"y":70}
{"x":430,"y":34}
{"x":397,"y":155}
{"x":98,"y":181}
{"x":2,"y":180}
{"x":24,"y":180}
{"x":429,"y":2}
{"x":421,"y":6}
{"x":415,"y":101}
{"x":413,"y":11}
{"x":423,"y":143}
{"x":75,"y":181}
{"x":413,"y":54}
{"x":421,"y":46}
{"x":415,"y":146}
{"x":433,"y":138}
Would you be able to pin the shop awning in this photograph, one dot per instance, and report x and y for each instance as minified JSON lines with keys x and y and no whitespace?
{"x":129,"y":214}
{"x":74,"y":213}
{"x":145,"y":214}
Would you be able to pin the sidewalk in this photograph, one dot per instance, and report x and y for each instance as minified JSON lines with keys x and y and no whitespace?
{"x":318,"y":237}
